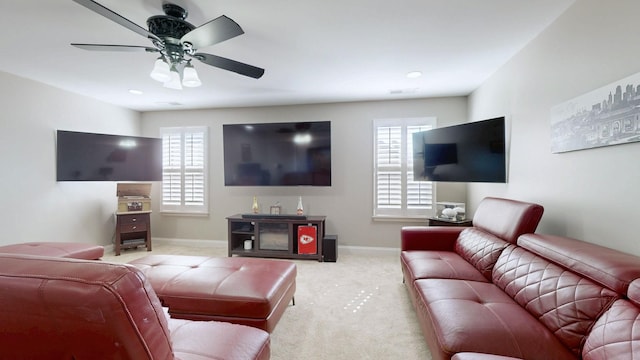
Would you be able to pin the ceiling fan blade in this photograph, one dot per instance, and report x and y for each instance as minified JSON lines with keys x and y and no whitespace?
{"x":215,"y":31}
{"x":125,"y":48}
{"x":231,"y":65}
{"x":111,"y":15}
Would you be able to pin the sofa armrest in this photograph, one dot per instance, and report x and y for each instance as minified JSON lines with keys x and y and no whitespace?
{"x":435,"y":238}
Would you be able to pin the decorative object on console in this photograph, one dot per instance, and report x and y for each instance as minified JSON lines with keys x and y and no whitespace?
{"x":307,"y":239}
{"x":248,"y":244}
{"x":177,"y":42}
{"x":255,"y":207}
{"x":452,"y":211}
{"x":276,"y":209}
{"x":133,"y":197}
{"x":300,"y":208}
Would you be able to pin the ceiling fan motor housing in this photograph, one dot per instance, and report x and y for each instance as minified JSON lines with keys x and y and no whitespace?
{"x":171,"y":28}
{"x":165,"y":26}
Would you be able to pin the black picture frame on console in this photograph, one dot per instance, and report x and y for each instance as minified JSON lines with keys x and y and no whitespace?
{"x":277,"y":154}
{"x":470,"y":152}
{"x":84,"y":156}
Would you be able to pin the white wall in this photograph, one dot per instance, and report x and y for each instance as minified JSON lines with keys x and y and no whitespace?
{"x":34,"y":206}
{"x":347,"y":203}
{"x":590,"y":194}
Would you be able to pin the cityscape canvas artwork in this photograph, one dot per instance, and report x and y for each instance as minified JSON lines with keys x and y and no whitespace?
{"x":607,"y":116}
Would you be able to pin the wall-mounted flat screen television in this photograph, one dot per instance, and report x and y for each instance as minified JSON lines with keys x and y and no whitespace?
{"x":100,"y":157}
{"x":470,"y":152}
{"x":277,"y":154}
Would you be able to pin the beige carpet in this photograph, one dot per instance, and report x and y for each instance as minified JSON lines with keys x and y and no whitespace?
{"x":355,"y":308}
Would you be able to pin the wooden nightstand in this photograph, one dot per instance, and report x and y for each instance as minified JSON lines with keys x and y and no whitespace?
{"x":133,"y":230}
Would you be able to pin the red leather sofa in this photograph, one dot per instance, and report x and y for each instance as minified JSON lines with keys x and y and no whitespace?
{"x":497,"y":291}
{"x":61,"y":308}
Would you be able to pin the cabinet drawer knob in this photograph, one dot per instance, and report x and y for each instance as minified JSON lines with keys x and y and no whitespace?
{"x":134,"y":227}
{"x":134,"y":219}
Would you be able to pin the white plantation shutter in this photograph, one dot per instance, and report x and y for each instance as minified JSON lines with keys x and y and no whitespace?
{"x":184,"y":180}
{"x":389,"y":165}
{"x":396,"y":193}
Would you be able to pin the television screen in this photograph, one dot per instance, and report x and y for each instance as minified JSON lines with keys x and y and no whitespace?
{"x":471,"y":152}
{"x":277,"y":154}
{"x":100,"y":157}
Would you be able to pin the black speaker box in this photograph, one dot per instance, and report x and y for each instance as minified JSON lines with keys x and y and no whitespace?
{"x":330,"y":248}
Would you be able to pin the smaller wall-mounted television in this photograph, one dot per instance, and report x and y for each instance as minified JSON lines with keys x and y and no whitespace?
{"x":277,"y":154}
{"x":100,"y":157}
{"x":470,"y":152}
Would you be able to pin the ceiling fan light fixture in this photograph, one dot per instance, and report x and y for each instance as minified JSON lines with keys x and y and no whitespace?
{"x":160,"y":71}
{"x":174,"y":79}
{"x":190,"y":76}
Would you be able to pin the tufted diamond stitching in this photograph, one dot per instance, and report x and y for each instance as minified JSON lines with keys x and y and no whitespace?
{"x":616,"y":335}
{"x":480,"y":249}
{"x":564,"y":302}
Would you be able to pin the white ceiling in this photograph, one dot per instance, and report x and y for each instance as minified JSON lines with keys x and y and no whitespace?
{"x":312,"y":51}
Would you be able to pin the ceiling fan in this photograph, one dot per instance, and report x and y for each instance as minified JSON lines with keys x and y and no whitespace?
{"x":177,"y":43}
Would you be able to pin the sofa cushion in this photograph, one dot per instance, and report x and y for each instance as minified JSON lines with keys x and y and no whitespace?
{"x":614,"y":269}
{"x":458,"y":316}
{"x":507,"y":219}
{"x":480,"y":249}
{"x":215,"y":340}
{"x":563,"y":301}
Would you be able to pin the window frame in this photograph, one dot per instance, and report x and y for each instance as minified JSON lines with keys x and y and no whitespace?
{"x":184,"y":172}
{"x":403,"y":210}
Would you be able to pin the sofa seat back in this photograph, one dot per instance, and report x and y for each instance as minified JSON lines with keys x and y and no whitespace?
{"x":506,"y":218}
{"x":616,"y":334}
{"x":566,"y":303}
{"x":611,"y":268}
{"x":55,"y":308}
{"x":480,"y":249}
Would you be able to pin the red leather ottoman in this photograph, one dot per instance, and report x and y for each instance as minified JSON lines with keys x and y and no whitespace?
{"x":244,"y":291}
{"x":56,"y":249}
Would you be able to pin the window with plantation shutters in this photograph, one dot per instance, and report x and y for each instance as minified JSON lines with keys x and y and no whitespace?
{"x":184,"y":180}
{"x":396,"y":193}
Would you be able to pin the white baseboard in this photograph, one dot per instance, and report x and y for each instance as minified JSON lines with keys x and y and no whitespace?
{"x":191,"y":242}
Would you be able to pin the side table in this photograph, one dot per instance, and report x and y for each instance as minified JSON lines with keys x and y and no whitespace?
{"x":444,"y":222}
{"x":133,"y":229}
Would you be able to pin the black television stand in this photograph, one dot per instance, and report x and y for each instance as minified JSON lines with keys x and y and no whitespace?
{"x":274,"y":236}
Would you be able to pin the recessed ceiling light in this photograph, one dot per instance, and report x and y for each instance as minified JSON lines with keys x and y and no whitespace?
{"x":135,"y":92}
{"x":414,"y":74}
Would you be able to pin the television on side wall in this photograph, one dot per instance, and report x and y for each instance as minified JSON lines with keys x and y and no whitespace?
{"x":470,"y":152}
{"x":101,"y":157}
{"x":277,"y":154}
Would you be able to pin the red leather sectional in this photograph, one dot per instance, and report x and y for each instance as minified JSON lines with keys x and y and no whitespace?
{"x":61,"y":308}
{"x":497,"y":291}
